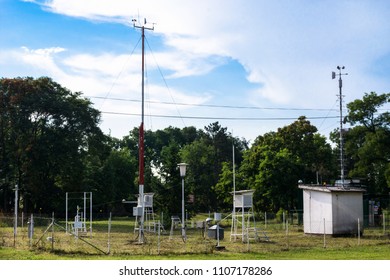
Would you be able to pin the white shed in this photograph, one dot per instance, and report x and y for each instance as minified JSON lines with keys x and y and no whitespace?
{"x":332,"y":210}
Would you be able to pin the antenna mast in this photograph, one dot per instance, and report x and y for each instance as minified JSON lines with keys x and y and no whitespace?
{"x":141,"y":139}
{"x":342,"y":177}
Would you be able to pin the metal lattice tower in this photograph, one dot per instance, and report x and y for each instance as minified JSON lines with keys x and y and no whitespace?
{"x":342,"y":175}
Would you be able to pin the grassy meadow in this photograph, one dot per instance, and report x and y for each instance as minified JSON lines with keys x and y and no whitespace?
{"x":117,"y":241}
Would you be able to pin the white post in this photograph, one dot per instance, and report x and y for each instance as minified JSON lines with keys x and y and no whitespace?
{"x":90,"y":213}
{"x":158,"y":238}
{"x":16,"y":211}
{"x":287,"y":233}
{"x":243,"y":221}
{"x":265,"y":220}
{"x":358,"y":231}
{"x":247,"y":238}
{"x":76,"y":223}
{"x":284,"y":220}
{"x":66,"y":212}
{"x":31,"y":229}
{"x":22,"y":220}
{"x":324,"y":235}
{"x":286,"y":227}
{"x":52,"y":231}
{"x":217,"y":218}
{"x":384,"y":223}
{"x":85,"y":212}
{"x":109,"y":234}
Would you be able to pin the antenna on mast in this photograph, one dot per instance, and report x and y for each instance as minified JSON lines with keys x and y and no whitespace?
{"x":138,"y":25}
{"x":141,"y":139}
{"x":342,"y":177}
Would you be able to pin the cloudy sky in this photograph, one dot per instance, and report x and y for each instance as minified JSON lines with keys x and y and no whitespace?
{"x":252,"y":65}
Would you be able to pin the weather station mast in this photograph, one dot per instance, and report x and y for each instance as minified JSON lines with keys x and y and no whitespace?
{"x":342,"y":176}
{"x":141,"y":139}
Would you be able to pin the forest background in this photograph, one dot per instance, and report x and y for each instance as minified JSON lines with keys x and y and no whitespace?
{"x":51,"y":143}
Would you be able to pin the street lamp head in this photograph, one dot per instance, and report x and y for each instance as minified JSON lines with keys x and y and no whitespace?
{"x":182,"y":167}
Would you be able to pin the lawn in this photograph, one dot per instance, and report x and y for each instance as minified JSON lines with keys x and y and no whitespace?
{"x":118,"y":242}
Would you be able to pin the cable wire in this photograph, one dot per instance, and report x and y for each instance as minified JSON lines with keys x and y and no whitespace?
{"x":220,"y":118}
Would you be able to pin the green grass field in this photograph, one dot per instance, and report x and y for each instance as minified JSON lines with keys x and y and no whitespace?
{"x":119,"y":243}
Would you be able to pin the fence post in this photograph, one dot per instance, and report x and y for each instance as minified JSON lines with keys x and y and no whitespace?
{"x":384,"y":222}
{"x":52,"y":232}
{"x":358,"y":231}
{"x":247,"y":238}
{"x":158,"y":237}
{"x":324,"y":235}
{"x":109,"y":234}
{"x":31,"y":229}
{"x":288,"y":245}
{"x":16,"y":206}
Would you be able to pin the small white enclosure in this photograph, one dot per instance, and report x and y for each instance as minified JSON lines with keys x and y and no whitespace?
{"x":243,"y":199}
{"x":148,"y":213}
{"x":148,"y":200}
{"x":242,"y":214}
{"x":332,"y":210}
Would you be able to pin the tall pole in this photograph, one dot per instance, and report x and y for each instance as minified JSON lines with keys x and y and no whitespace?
{"x":141,"y":139}
{"x":234,"y":180}
{"x":342,"y":176}
{"x":141,"y":156}
{"x":234,"y":221}
{"x":183,"y":224}
{"x":66,"y":212}
{"x":16,"y":209}
{"x":183,"y":166}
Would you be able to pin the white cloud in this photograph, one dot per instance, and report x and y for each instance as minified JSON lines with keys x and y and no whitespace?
{"x":104,"y":75}
{"x":41,"y":61}
{"x":104,"y":64}
{"x":288,"y":48}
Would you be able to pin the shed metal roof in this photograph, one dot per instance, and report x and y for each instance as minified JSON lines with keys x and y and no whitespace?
{"x":326,"y":188}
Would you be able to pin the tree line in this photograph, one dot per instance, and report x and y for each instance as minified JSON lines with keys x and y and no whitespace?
{"x":51,"y":143}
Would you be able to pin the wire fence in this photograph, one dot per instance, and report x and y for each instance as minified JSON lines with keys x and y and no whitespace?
{"x":120,"y":235}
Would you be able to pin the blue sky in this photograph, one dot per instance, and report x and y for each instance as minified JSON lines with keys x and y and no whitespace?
{"x":252,"y":65}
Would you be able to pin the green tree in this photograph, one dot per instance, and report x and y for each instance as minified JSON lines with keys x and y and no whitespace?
{"x":207,"y":157}
{"x":162,"y":154}
{"x":225,"y":186}
{"x":199,"y":180}
{"x":112,"y":180}
{"x":367,"y":143}
{"x":277,"y":160}
{"x":45,"y":133}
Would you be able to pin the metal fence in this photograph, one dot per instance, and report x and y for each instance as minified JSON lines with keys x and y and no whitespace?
{"x":119,"y":235}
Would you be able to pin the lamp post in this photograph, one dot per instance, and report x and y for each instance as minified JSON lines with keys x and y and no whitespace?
{"x":182,"y":167}
{"x":16,"y":212}
{"x":16,"y":208}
